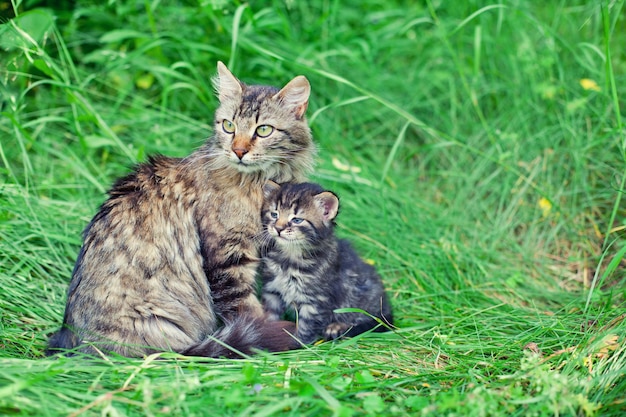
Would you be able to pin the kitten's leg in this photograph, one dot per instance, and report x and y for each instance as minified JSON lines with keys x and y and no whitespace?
{"x":273,"y":304}
{"x":310,"y":324}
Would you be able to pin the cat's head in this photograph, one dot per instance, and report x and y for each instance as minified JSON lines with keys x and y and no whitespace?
{"x":297,"y":216}
{"x":261,"y":129}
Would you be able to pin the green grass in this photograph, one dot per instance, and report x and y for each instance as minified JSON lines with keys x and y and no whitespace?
{"x":473,"y":168}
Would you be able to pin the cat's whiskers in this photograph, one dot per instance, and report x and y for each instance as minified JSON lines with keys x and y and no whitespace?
{"x":263,"y":241}
{"x":217,"y":159}
{"x":206,"y":156}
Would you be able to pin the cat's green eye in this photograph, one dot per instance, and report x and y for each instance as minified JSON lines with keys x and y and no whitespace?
{"x":264,"y":131}
{"x":274,"y":215}
{"x":297,"y":220}
{"x":228,"y":126}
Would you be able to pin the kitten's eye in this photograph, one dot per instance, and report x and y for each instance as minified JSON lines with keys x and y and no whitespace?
{"x":274,"y":215}
{"x":228,"y":126}
{"x":297,"y":220}
{"x":264,"y":131}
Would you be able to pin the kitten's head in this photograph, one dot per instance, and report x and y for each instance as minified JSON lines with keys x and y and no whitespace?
{"x":261,"y":129}
{"x":299,"y":216}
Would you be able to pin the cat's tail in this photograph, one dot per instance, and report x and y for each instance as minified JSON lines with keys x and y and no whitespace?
{"x":244,"y":335}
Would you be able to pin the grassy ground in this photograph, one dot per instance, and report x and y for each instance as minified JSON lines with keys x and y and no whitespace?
{"x":478,"y":150}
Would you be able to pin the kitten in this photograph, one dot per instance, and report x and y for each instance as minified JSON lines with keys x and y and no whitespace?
{"x":305,"y":267}
{"x":171,"y":256}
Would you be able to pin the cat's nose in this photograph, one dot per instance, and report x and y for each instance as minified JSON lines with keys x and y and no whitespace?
{"x":240,"y":152}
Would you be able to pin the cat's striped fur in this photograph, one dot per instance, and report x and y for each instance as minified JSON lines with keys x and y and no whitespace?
{"x":169,"y":261}
{"x":307,"y":269}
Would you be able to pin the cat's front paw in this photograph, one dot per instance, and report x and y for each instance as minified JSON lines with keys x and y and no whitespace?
{"x":335,"y":330}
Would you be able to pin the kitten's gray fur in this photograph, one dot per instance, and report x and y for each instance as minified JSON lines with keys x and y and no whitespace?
{"x":307,"y":269}
{"x":169,"y":261}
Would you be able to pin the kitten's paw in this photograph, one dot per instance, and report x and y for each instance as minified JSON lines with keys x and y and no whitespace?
{"x":335,"y":330}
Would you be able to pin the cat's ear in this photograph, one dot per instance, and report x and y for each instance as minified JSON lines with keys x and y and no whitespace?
{"x":226,"y":84}
{"x":296,"y":95}
{"x":269,"y":187}
{"x":328,"y":204}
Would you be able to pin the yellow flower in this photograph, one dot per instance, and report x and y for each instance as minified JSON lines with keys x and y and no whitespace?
{"x":345,"y":167}
{"x":545,"y":205}
{"x":145,"y":81}
{"x":589,"y":84}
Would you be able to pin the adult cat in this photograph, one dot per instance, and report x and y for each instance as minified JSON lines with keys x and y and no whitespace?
{"x":169,"y":260}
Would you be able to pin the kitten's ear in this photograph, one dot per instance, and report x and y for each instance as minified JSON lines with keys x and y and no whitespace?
{"x":296,"y":95}
{"x":328,"y":204}
{"x":226,"y":84}
{"x":269,"y":187}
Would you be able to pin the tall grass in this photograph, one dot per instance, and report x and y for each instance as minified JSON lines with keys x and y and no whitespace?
{"x":478,"y":151}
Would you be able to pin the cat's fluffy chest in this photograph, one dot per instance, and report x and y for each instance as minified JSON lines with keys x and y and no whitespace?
{"x":293,"y":282}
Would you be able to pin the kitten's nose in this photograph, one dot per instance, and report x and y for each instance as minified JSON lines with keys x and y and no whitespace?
{"x":240,"y":152}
